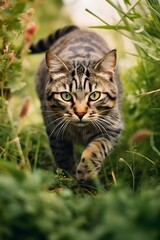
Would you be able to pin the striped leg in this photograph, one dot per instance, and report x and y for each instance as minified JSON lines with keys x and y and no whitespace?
{"x":92,"y":159}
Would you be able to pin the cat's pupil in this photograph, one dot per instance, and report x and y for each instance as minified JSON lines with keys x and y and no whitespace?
{"x":66,"y":96}
{"x":94,"y":96}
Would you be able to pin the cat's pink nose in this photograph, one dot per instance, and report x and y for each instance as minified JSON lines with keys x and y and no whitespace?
{"x":80,"y":114}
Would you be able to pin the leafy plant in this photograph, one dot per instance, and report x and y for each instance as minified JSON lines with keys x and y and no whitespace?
{"x":15,"y":22}
{"x":30,"y":211}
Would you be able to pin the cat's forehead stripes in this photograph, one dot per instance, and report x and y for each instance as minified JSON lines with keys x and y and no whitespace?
{"x":80,"y":78}
{"x":80,"y":70}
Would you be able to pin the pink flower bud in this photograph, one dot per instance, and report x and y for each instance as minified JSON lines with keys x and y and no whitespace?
{"x":30,"y":30}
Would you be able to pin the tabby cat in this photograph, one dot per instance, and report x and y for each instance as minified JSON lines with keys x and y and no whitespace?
{"x":80,"y":95}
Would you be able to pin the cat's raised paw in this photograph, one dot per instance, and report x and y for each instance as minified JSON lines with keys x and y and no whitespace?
{"x":86,"y":170}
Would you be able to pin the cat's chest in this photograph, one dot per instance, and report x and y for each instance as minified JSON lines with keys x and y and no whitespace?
{"x":78,"y":134}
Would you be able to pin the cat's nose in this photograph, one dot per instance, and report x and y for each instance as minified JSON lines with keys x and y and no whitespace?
{"x":80,"y":114}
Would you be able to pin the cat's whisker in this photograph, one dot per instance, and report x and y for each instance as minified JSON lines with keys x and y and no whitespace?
{"x":104,"y":122}
{"x":64,"y":127}
{"x":107,"y":123}
{"x":54,"y":112}
{"x":54,"y":121}
{"x":57,"y":133}
{"x":101,"y":125}
{"x":50,"y":115}
{"x":108,"y":120}
{"x":57,"y":125}
{"x":110,"y":124}
{"x":95,"y":123}
{"x":105,"y":112}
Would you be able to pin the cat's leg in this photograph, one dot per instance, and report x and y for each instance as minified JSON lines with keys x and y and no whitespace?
{"x":63,"y":154}
{"x":92,"y":158}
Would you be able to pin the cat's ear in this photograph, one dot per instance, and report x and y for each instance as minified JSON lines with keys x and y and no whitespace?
{"x":107,"y":63}
{"x":55,"y":63}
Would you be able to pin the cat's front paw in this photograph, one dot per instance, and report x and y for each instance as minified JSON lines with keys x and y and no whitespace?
{"x":87,"y":169}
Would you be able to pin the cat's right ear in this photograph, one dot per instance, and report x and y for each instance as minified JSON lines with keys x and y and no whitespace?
{"x":54,"y":63}
{"x":107,"y":63}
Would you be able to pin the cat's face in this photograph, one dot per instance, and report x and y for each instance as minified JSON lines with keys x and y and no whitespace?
{"x":79,"y":93}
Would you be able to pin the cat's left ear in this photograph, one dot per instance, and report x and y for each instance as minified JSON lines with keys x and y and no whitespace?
{"x":107,"y":63}
{"x":55,"y":63}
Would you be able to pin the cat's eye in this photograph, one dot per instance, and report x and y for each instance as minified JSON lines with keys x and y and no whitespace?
{"x":94,"y":96}
{"x":66,"y":96}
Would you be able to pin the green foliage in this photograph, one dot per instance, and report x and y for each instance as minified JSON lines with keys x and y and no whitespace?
{"x":29,"y":211}
{"x":12,"y":42}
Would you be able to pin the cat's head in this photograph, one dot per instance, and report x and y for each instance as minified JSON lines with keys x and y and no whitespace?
{"x":82,"y":92}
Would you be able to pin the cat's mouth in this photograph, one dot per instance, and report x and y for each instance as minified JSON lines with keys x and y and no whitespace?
{"x":80,"y":123}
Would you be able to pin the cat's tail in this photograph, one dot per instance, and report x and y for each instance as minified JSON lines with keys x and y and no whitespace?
{"x":44,"y":44}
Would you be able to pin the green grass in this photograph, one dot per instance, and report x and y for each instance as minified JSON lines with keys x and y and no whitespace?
{"x":49,"y":204}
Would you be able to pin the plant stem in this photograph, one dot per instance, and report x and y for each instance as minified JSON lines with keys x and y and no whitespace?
{"x":23,"y":162}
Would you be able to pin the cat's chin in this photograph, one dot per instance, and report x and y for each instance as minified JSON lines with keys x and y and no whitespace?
{"x":80,"y":124}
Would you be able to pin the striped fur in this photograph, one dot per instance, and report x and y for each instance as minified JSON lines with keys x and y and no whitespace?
{"x":80,"y":96}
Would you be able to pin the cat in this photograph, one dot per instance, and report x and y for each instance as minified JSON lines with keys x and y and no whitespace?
{"x":80,"y":94}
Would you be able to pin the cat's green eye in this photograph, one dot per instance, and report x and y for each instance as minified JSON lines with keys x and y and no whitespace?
{"x":66,"y":96}
{"x":94,"y":96}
